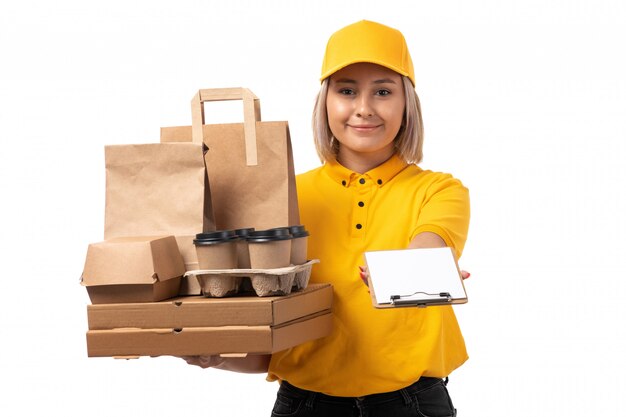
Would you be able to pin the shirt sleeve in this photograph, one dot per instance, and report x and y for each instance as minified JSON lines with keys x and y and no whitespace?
{"x":445,"y":211}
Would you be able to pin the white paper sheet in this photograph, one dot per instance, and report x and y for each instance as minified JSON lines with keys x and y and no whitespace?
{"x":414,"y":271}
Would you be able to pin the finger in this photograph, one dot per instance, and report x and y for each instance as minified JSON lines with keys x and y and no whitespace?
{"x":465,"y":274}
{"x":364,"y":278}
{"x":207,"y":361}
{"x":191,"y":360}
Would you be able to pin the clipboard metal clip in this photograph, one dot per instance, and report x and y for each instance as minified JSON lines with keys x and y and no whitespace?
{"x":423,"y":302}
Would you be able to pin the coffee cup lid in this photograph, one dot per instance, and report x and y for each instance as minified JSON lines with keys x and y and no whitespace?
{"x":244,"y":232}
{"x":298,"y":231}
{"x":269,"y":235}
{"x":211,"y":238}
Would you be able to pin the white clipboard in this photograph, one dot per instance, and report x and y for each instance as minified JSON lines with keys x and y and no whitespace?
{"x":414,"y":278}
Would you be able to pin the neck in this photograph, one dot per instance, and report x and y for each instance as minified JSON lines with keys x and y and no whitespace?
{"x":363,"y":162}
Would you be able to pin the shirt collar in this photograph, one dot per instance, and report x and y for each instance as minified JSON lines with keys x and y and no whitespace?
{"x":380,"y":175}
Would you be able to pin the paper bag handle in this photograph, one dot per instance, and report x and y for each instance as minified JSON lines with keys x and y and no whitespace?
{"x":251,"y":115}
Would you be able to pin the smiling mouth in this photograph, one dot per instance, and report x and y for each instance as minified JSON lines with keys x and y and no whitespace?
{"x":364,"y":128}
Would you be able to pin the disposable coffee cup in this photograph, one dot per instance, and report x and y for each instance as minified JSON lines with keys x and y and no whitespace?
{"x":217,"y":250}
{"x":270,"y":248}
{"x":299,"y":240}
{"x":243,"y":253}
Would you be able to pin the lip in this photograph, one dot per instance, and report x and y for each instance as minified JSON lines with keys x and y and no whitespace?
{"x":364,"y":128}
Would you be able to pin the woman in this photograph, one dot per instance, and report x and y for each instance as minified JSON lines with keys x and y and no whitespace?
{"x":370,"y":195}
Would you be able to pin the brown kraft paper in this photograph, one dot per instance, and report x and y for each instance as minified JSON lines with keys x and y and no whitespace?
{"x":250,"y":165}
{"x":158,"y":189}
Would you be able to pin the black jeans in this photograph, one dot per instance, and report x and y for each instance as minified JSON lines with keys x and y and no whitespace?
{"x":428,"y":397}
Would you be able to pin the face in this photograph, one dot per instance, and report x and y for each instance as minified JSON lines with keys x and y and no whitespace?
{"x":365,"y":105}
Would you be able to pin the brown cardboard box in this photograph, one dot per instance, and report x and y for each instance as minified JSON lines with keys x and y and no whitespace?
{"x":208,"y":326}
{"x":133,"y":269}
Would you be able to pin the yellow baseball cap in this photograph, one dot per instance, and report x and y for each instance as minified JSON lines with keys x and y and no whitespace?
{"x":367,"y":41}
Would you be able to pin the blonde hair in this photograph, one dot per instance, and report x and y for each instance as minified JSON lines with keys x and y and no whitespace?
{"x":408,"y":141}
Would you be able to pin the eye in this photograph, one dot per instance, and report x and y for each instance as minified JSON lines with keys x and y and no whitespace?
{"x":383,"y":92}
{"x":346,"y":91}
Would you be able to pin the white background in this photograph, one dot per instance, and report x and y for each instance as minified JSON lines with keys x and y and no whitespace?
{"x":524,"y":101}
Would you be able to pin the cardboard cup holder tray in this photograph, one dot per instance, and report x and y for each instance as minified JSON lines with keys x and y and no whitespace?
{"x":263,"y":282}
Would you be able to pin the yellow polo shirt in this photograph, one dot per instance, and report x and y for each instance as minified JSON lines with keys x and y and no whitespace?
{"x":374,"y":350}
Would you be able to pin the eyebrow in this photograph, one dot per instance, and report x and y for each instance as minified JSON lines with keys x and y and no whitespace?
{"x":351,"y":81}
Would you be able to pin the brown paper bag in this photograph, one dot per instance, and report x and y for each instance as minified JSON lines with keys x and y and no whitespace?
{"x":250,"y":164}
{"x":159,"y":189}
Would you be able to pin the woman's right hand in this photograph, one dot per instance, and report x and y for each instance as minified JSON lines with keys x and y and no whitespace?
{"x":208,"y":361}
{"x":251,"y":364}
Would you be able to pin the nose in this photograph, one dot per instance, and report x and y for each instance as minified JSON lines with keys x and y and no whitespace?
{"x":364,"y":106}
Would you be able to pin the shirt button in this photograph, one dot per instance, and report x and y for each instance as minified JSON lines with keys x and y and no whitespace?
{"x":359,"y":226}
{"x":379,"y":182}
{"x":361,"y":204}
{"x":362,"y":181}
{"x":343,"y":183}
